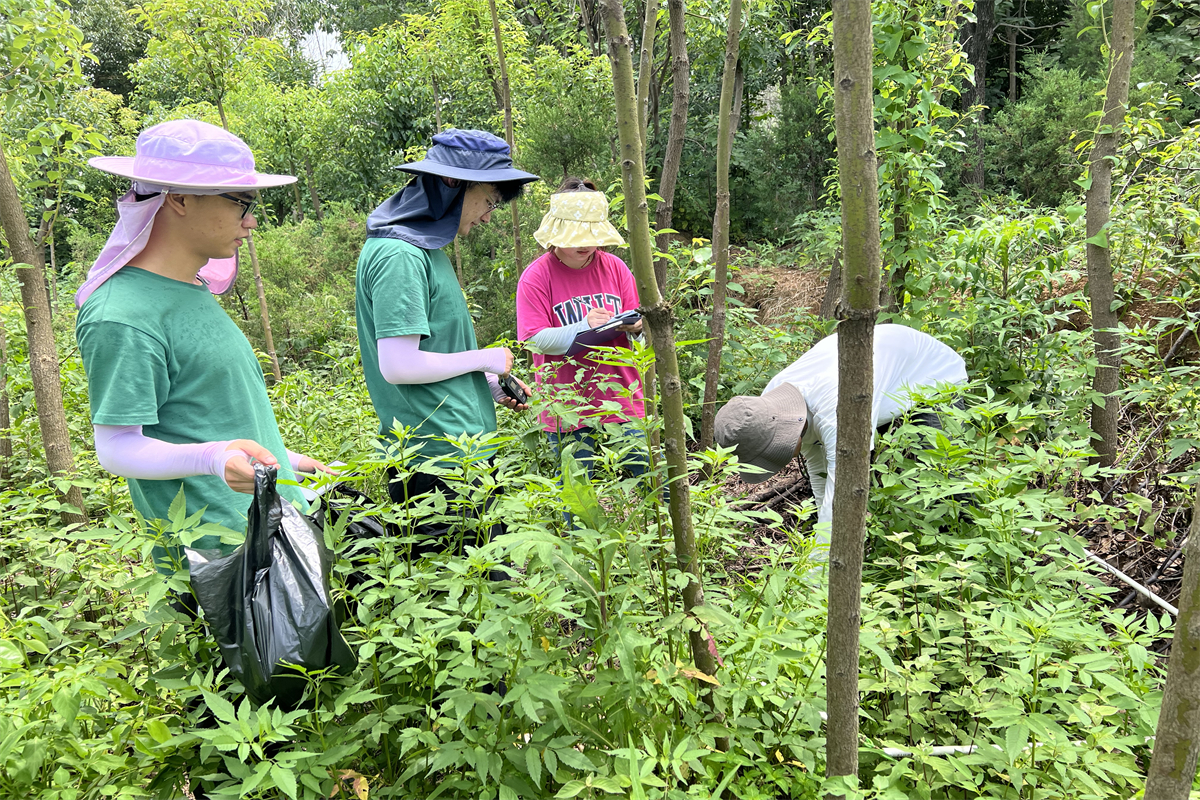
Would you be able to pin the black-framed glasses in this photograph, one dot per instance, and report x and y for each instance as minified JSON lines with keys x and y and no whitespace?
{"x":247,"y":205}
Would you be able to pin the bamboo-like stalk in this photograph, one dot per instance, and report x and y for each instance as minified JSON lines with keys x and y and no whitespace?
{"x":1177,"y":738}
{"x":680,"y":92}
{"x":646,"y":67}
{"x":262,"y":307}
{"x":508,"y":129}
{"x":43,"y":352}
{"x":658,"y":317}
{"x":726,"y":125}
{"x":857,"y":166}
{"x":1107,"y":380}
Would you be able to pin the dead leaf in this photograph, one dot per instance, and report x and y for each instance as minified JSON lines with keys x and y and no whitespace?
{"x":696,"y":674}
{"x":351,"y":784}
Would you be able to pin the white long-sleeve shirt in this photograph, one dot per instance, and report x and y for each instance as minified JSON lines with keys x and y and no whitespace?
{"x":905,"y":359}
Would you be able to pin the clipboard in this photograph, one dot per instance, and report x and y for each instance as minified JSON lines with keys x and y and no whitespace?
{"x":602,"y":334}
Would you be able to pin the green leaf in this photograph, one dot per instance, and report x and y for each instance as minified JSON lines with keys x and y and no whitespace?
{"x":606,"y":785}
{"x":220,"y":706}
{"x":1073,"y":213}
{"x":579,"y":494}
{"x":571,"y":789}
{"x":178,"y":507}
{"x":533,"y":764}
{"x":158,"y":731}
{"x":66,"y":703}
{"x":1100,"y":240}
{"x":1015,"y":739}
{"x":284,"y":779}
{"x":11,"y":656}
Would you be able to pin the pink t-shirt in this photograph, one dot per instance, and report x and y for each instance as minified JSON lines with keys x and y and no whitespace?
{"x":550,"y":295}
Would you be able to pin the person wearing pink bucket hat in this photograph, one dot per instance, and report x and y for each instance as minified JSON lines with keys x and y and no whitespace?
{"x":178,"y":399}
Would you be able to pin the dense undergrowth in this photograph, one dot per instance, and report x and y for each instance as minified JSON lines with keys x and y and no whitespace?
{"x":981,"y":624}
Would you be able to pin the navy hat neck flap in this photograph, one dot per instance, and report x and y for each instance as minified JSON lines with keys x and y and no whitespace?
{"x":425,"y":213}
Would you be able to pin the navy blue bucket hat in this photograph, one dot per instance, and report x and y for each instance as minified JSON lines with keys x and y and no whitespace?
{"x":469,"y":156}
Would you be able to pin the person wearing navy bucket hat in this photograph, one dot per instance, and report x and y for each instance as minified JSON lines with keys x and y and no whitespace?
{"x":423,"y":367}
{"x":178,"y":399}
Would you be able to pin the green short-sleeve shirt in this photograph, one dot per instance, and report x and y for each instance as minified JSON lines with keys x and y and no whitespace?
{"x":163,"y":354}
{"x":404,"y":290}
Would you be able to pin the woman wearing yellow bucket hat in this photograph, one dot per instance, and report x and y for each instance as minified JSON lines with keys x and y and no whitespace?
{"x":574,"y":287}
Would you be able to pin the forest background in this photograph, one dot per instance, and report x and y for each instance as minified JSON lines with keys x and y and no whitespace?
{"x":982,"y":628}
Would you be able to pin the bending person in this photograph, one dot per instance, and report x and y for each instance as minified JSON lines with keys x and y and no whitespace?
{"x":573,"y":287}
{"x":423,"y":367}
{"x":797,"y":412}
{"x":178,"y":398}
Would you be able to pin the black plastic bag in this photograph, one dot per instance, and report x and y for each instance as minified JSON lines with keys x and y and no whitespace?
{"x":268,"y":603}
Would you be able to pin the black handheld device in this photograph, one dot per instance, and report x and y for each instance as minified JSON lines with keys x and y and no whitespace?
{"x":510,"y":387}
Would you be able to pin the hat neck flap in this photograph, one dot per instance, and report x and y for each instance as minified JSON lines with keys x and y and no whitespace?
{"x":425,"y":213}
{"x":135,"y":221}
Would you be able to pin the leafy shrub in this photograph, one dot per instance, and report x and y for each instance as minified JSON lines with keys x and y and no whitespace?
{"x":982,"y":625}
{"x":308,"y":276}
{"x":1031,"y":143}
{"x":796,"y":152}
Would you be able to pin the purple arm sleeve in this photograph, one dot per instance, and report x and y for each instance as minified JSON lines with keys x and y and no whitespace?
{"x":494,"y":385}
{"x":402,"y":362}
{"x":124,"y":450}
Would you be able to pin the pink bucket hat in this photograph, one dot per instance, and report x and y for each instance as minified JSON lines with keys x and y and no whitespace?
{"x":186,"y":155}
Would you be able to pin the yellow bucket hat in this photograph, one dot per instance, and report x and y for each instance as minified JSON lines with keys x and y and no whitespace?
{"x":577,"y":219}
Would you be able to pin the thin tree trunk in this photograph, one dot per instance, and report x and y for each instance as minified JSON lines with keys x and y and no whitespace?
{"x":1012,"y":64}
{"x":221,"y":112}
{"x":891,"y":291}
{"x":312,"y":189}
{"x":1100,"y":274}
{"x":660,"y":320}
{"x":5,"y":417}
{"x":1177,"y":739}
{"x":680,"y":72}
{"x":508,"y":129}
{"x":646,"y":67}
{"x":437,"y":98}
{"x":660,"y":78}
{"x":726,"y":126}
{"x":589,"y":29}
{"x":43,"y":352}
{"x":262,"y":308}
{"x":298,"y":214}
{"x":857,"y":167}
{"x":977,"y":38}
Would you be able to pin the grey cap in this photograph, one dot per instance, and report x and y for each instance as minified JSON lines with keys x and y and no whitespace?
{"x":764,"y":430}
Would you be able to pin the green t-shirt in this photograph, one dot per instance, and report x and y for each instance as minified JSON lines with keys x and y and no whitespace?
{"x":404,"y":290}
{"x":163,"y":354}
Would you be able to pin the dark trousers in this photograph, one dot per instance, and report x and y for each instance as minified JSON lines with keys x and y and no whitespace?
{"x":442,"y":536}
